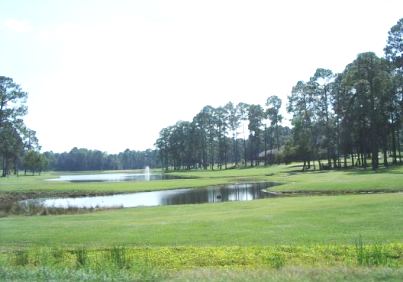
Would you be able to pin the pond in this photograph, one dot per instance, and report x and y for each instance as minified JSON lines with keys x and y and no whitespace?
{"x":224,"y":193}
{"x":113,"y":177}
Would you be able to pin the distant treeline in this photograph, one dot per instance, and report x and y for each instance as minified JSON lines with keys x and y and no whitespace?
{"x":84,"y":159}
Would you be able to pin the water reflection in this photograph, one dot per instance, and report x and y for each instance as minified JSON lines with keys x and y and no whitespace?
{"x":234,"y":192}
{"x":114,"y":177}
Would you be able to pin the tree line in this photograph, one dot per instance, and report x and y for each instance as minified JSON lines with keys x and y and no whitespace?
{"x":85,"y":159}
{"x":230,"y":134}
{"x":338,"y":120}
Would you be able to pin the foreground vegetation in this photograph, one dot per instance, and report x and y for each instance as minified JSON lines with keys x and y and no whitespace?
{"x":218,"y":263}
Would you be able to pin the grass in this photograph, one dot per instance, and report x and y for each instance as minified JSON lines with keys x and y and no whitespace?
{"x":293,"y":179}
{"x":291,"y":274}
{"x":387,"y":180}
{"x":312,"y":238}
{"x":294,"y":220}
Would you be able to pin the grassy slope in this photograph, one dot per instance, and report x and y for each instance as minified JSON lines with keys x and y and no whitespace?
{"x":350,"y":180}
{"x":300,"y":220}
{"x":294,"y":179}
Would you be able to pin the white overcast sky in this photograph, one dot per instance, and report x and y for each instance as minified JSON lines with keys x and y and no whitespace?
{"x":109,"y":75}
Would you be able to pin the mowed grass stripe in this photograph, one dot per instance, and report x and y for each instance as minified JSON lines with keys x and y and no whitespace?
{"x":296,"y":220}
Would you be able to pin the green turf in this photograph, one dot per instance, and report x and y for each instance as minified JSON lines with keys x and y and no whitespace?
{"x":295,"y":220}
{"x":291,"y":274}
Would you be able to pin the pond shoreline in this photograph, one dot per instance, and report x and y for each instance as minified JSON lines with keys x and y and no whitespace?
{"x":9,"y":200}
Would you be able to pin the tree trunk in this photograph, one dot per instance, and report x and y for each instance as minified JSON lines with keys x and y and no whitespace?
{"x":4,"y":174}
{"x":329,"y":161}
{"x":398,"y":146}
{"x":265,"y":145}
{"x":335,"y":165}
{"x":5,"y":166}
{"x":394,"y":146}
{"x":385,"y":157}
{"x":278,"y":138}
{"x":364,"y":161}
{"x":235,"y":151}
{"x":244,"y":151}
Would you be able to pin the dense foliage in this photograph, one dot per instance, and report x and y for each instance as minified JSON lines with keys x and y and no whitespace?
{"x":84,"y":159}
{"x":337,"y":120}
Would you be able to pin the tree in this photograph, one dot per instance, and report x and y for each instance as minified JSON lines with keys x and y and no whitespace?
{"x":243,"y":114}
{"x":162,"y":144}
{"x":34,"y":161}
{"x":273,"y":105}
{"x":394,"y":46}
{"x":11,"y":146}
{"x":221,"y":118}
{"x":394,"y":54}
{"x":369,"y":82}
{"x":234,"y":120}
{"x":300,"y":104}
{"x":321,"y":86}
{"x":12,"y":109}
{"x":205,"y":126}
{"x":255,"y":117}
{"x":343,"y":116}
{"x":12,"y":102}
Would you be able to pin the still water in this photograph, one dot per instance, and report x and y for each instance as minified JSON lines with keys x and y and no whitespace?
{"x":113,"y":177}
{"x":224,"y":193}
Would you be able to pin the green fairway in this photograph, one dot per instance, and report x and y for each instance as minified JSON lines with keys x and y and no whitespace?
{"x":293,"y":179}
{"x":296,"y":220}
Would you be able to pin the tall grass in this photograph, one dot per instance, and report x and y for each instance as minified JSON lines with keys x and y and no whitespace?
{"x":21,"y":258}
{"x":81,"y":257}
{"x":34,"y":207}
{"x":119,"y":257}
{"x":373,"y":255}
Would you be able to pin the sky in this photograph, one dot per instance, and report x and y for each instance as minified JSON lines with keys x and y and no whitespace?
{"x":110,"y":74}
